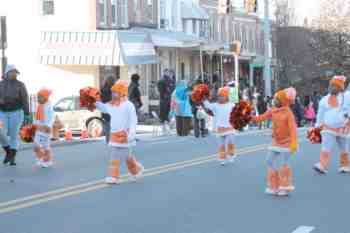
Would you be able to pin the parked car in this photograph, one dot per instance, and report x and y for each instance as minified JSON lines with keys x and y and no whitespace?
{"x":74,"y":117}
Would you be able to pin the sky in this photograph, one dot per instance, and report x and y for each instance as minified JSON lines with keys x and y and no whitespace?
{"x":306,"y":8}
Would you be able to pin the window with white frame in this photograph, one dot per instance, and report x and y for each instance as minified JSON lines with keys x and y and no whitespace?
{"x":237,"y":32}
{"x":48,"y":7}
{"x":244,"y":38}
{"x":114,"y":12}
{"x":184,"y":25}
{"x":122,"y":14}
{"x":194,"y":26}
{"x":102,"y":8}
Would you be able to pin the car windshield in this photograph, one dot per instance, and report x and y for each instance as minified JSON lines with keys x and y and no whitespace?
{"x":65,"y":104}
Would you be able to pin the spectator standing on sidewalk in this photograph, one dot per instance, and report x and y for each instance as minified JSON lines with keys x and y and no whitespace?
{"x":309,"y":114}
{"x":106,"y":96}
{"x":199,"y":117}
{"x":14,"y":108}
{"x":165,"y":91}
{"x":134,"y":92}
{"x":181,"y":97}
{"x":298,"y":111}
{"x":262,"y":107}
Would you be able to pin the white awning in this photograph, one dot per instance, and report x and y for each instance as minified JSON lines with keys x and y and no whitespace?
{"x":103,"y":48}
{"x":80,"y":48}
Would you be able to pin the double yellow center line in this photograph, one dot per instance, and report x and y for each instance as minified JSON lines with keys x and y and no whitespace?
{"x":26,"y":202}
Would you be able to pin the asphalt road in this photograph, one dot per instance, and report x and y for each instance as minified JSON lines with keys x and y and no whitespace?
{"x":184,"y":190}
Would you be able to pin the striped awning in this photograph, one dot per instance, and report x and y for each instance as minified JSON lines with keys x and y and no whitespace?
{"x":102,"y":48}
{"x":80,"y":48}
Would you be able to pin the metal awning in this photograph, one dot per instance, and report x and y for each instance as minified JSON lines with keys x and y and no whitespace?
{"x":170,"y":39}
{"x":189,"y":10}
{"x":103,"y":48}
{"x":137,"y":48}
{"x":80,"y":48}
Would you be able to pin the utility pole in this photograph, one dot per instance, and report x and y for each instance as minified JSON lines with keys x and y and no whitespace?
{"x":3,"y":43}
{"x":267,"y":41}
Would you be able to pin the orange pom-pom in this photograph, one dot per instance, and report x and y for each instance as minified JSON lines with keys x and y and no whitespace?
{"x":241,"y":115}
{"x":88,"y":98}
{"x":314,"y":135}
{"x":200,"y":93}
{"x":27,"y":133}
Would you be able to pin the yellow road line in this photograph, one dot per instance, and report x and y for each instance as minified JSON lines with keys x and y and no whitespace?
{"x":99,"y":184}
{"x":36,"y":199}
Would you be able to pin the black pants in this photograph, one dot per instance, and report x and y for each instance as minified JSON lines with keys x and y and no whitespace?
{"x":107,"y":130}
{"x":199,"y":127}
{"x":183,"y":125}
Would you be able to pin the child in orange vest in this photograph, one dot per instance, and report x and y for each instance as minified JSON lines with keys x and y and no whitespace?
{"x":123,"y":132}
{"x":44,"y":119}
{"x":222,"y":127}
{"x":284,"y":143}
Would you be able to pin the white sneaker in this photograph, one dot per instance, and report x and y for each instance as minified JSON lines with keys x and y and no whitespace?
{"x":271,"y":191}
{"x":232,"y":159}
{"x":282,"y":193}
{"x":319,"y":169}
{"x":344,"y":170}
{"x":46,"y":164}
{"x":111,"y":180}
{"x":38,"y":162}
{"x":288,"y":188}
{"x":222,"y":162}
{"x":138,"y":175}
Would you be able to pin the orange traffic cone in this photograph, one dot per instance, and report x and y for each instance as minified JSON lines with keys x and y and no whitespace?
{"x":68,"y":135}
{"x":84,"y":134}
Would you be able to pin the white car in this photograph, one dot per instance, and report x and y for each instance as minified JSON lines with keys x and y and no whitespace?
{"x":74,"y":117}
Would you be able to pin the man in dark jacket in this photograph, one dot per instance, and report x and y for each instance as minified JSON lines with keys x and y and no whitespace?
{"x":298,"y":111}
{"x":164,"y":90}
{"x":106,"y":96}
{"x":134,"y":92}
{"x":14,"y":107}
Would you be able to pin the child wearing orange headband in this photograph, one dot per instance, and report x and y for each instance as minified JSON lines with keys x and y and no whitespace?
{"x":44,"y":119}
{"x":123,"y":132}
{"x":222,"y":127}
{"x":331,"y":118}
{"x":284,"y":143}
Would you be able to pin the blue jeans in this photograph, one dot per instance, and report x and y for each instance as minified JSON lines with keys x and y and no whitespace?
{"x":12,"y":123}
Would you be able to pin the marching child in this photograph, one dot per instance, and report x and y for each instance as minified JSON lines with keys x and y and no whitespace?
{"x":123,"y":132}
{"x":284,"y":143}
{"x":44,"y":119}
{"x":331,"y":118}
{"x":222,"y":127}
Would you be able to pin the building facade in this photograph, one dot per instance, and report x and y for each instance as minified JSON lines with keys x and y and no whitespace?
{"x":122,"y":37}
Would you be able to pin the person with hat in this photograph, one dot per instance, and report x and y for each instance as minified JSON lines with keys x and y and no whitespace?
{"x":44,"y":119}
{"x":123,"y":132}
{"x":284,"y":143}
{"x":222,"y":127}
{"x":14,"y":108}
{"x":331,"y":118}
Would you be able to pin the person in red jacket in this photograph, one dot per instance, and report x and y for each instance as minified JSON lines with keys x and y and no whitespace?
{"x":284,"y":143}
